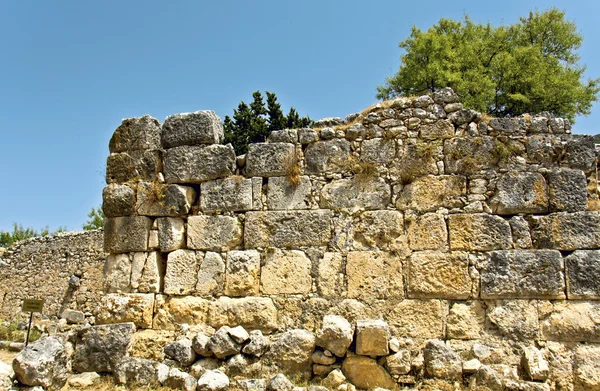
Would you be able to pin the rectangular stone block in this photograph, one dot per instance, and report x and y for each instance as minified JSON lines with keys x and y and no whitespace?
{"x":467,"y":155}
{"x":523,"y":274}
{"x":211,"y":274}
{"x":374,"y":275}
{"x":353,"y":194}
{"x":372,"y":338}
{"x":270,"y":159}
{"x":479,"y":232}
{"x":513,"y":319}
{"x":583,"y":274}
{"x":129,"y":166}
{"x":213,"y":233}
{"x":252,"y":313}
{"x":567,"y":190}
{"x":158,"y":199}
{"x":466,"y":320}
{"x":232,"y":194}
{"x":152,"y":278}
{"x":570,"y":321}
{"x":282,"y":194}
{"x":429,"y":193}
{"x":131,"y":307}
{"x":117,"y":273}
{"x":330,"y":279}
{"x":416,"y":159}
{"x":566,"y":231}
{"x":380,"y":230}
{"x":433,"y":274}
{"x":136,"y":134}
{"x":199,"y":127}
{"x":520,"y":192}
{"x":182,"y":272}
{"x":126,"y":234}
{"x":196,"y":164}
{"x":421,"y":319}
{"x":287,"y":228}
{"x":118,"y":200}
{"x":427,"y":232}
{"x":172,"y":311}
{"x":243,"y":270}
{"x":327,"y":156}
{"x":378,"y":150}
{"x":440,"y":129}
{"x":171,"y":233}
{"x":285,"y":272}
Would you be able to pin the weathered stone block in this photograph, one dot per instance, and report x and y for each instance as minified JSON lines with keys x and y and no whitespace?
{"x":378,"y":150}
{"x":478,"y":232}
{"x":126,"y":234}
{"x":287,"y":229}
{"x":100,"y":348}
{"x":327,"y":156}
{"x":195,"y":164}
{"x":117,"y":273}
{"x":416,"y":159}
{"x":583,"y":274}
{"x":351,"y":193}
{"x":132,"y":166}
{"x":466,"y":320}
{"x":470,"y":154}
{"x":380,"y":230}
{"x":243,"y":269}
{"x":291,"y":354}
{"x":433,"y":274}
{"x":427,"y":232}
{"x":157,"y":199}
{"x":121,"y":308}
{"x":514,"y":319}
{"x":567,"y":190}
{"x":136,"y":134}
{"x":365,"y":373}
{"x":172,"y":311}
{"x":283,"y":194}
{"x":270,"y":159}
{"x":520,"y":232}
{"x":118,"y":200}
{"x":211,"y":274}
{"x":330,"y":278}
{"x":336,"y":335}
{"x":171,"y":233}
{"x":374,"y":275}
{"x":182,"y":271}
{"x":200,"y":127}
{"x":418,"y":318}
{"x":429,"y":193}
{"x":580,"y":151}
{"x":441,"y":361}
{"x":566,"y":231}
{"x":151,"y":279}
{"x":285,"y":272}
{"x":230,"y":194}
{"x":214,"y":233}
{"x":372,"y":338}
{"x":520,"y":192}
{"x":440,"y":129}
{"x":284,"y":136}
{"x":586,"y":368}
{"x":252,"y":313}
{"x":570,"y":321}
{"x":523,"y":274}
{"x":509,"y":125}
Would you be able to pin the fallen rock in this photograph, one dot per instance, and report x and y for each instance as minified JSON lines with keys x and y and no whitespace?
{"x":136,"y":371}
{"x":181,"y":351}
{"x":7,"y":376}
{"x":372,"y":338}
{"x":534,"y":364}
{"x":100,"y":348}
{"x":441,"y":362}
{"x":365,"y":373}
{"x":258,"y":344}
{"x":85,"y":379}
{"x":398,"y":363}
{"x":222,"y":345}
{"x":334,"y":379}
{"x":204,"y":364}
{"x":280,"y":383}
{"x":42,"y":363}
{"x":180,"y":380}
{"x":335,"y":335}
{"x":200,"y":344}
{"x":239,"y":334}
{"x":213,"y":380}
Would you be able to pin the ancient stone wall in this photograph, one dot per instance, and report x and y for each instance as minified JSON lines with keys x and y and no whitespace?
{"x":439,"y":221}
{"x":64,"y":269}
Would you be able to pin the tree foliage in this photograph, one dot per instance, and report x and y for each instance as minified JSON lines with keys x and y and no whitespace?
{"x":19,"y":233}
{"x":530,"y":66}
{"x":95,"y":219}
{"x":254,"y":122}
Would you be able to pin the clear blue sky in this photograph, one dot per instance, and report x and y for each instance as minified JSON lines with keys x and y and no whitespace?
{"x":71,"y":70}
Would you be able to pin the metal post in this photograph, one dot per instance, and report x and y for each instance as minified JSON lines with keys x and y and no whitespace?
{"x":29,"y":328}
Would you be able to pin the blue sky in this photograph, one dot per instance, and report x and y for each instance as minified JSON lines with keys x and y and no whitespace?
{"x":71,"y":70}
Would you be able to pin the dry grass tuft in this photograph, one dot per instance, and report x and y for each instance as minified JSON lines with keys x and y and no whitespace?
{"x":293,"y":170}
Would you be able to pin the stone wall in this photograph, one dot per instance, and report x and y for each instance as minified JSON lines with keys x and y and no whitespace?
{"x":64,"y":269}
{"x":436,"y":219}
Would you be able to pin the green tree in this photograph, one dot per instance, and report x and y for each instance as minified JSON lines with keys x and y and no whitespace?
{"x":530,"y":66}
{"x":95,"y":219}
{"x":253,"y":123}
{"x":19,"y":233}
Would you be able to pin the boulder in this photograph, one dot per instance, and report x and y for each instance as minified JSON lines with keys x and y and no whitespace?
{"x":441,"y":362}
{"x":43,"y":363}
{"x":536,"y":367}
{"x":222,"y":345}
{"x":200,"y":344}
{"x":336,"y":335}
{"x":118,"y":200}
{"x":279,"y":383}
{"x":366,"y":374}
{"x":398,"y":363}
{"x":181,"y":351}
{"x":180,"y":380}
{"x":101,"y":348}
{"x":199,"y":127}
{"x":372,"y":337}
{"x":320,"y":358}
{"x":204,"y":364}
{"x":196,"y":164}
{"x":134,"y":371}
{"x":258,"y":344}
{"x":136,"y":134}
{"x":291,"y":353}
{"x":334,"y":379}
{"x":213,"y":380}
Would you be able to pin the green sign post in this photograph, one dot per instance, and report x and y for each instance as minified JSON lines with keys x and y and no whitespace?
{"x":31,"y":306}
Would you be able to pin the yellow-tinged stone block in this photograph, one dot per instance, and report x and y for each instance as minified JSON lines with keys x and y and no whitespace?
{"x":433,"y":274}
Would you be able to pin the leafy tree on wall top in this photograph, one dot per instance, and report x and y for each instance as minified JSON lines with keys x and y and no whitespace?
{"x":95,"y":219}
{"x":253,"y":123}
{"x":530,"y":66}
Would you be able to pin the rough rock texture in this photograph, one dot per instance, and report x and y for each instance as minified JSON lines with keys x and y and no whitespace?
{"x":478,"y":232}
{"x":181,"y":351}
{"x":243,"y":269}
{"x":270,"y":159}
{"x":200,"y":127}
{"x":291,"y":353}
{"x":286,"y":272}
{"x":567,"y":190}
{"x":195,"y":164}
{"x":213,"y":380}
{"x":336,"y":335}
{"x":43,"y":363}
{"x":213,"y":233}
{"x":567,"y":231}
{"x":586,"y":368}
{"x":439,"y":275}
{"x":126,"y":234}
{"x":136,"y":371}
{"x":228,"y":194}
{"x":365,"y":373}
{"x":520,"y":192}
{"x":441,"y":361}
{"x":136,"y":134}
{"x":101,"y":348}
{"x":583,"y":274}
{"x":372,"y":338}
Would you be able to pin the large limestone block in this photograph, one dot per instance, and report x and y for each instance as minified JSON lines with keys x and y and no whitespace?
{"x":285,"y":272}
{"x":440,"y":361}
{"x":157,"y":199}
{"x":118,"y":200}
{"x":129,"y":166}
{"x":226,"y":195}
{"x":211,"y":274}
{"x":172,"y":311}
{"x":580,"y":151}
{"x":214,"y":233}
{"x":243,"y":270}
{"x":117,"y":273}
{"x":151,"y":279}
{"x":291,"y":353}
{"x":374,"y":275}
{"x":282,"y":194}
{"x":586,"y":368}
{"x":365,"y":373}
{"x":523,"y":274}
{"x":567,"y":190}
{"x":470,"y":154}
{"x":416,"y":159}
{"x":126,"y":234}
{"x":429,"y":193}
{"x":514,"y":319}
{"x":570,"y":321}
{"x":378,"y":151}
{"x":583,"y":274}
{"x":182,"y":272}
{"x":380,"y":230}
{"x":330,"y":279}
{"x":418,"y":318}
{"x":427,"y":232}
{"x":101,"y":348}
{"x":353,"y":194}
{"x":336,"y":335}
{"x":433,"y":274}
{"x":479,"y":232}
{"x":287,"y":229}
{"x":43,"y":363}
{"x":135,"y":371}
{"x":466,"y":320}
{"x":520,"y":192}
{"x":249,"y":312}
{"x":135,"y":134}
{"x":200,"y":127}
{"x":327,"y":156}
{"x":566,"y":231}
{"x":171,"y":233}
{"x":372,"y":337}
{"x":440,"y":129}
{"x":149,"y":344}
{"x":270,"y":159}
{"x":122,"y":308}
{"x":195,"y":164}
{"x":534,"y":364}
